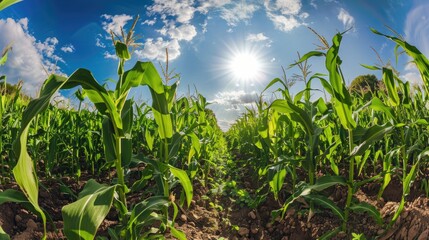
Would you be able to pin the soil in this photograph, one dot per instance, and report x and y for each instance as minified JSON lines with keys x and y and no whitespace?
{"x":213,"y":216}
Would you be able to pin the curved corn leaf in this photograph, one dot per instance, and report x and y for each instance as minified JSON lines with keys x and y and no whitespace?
{"x":184,"y":181}
{"x":177,"y":233}
{"x":325,"y":182}
{"x":342,"y":102}
{"x":392,"y":91}
{"x":276,"y":183}
{"x":141,"y":211}
{"x":296,"y":114}
{"x":24,"y":172}
{"x":368,"y":208}
{"x":6,"y":3}
{"x":3,"y":235}
{"x":327,"y":203}
{"x":378,"y":105}
{"x":307,"y":56}
{"x":419,"y":59}
{"x":371,"y":135}
{"x":96,"y":93}
{"x":83,"y":217}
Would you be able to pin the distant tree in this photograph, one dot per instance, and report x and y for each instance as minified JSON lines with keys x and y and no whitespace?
{"x":364,"y":84}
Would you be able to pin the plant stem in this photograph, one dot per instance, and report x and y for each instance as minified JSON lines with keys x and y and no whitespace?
{"x":120,"y":172}
{"x":350,"y":184}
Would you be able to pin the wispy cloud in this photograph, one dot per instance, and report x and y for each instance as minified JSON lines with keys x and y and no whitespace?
{"x":108,"y":55}
{"x":347,"y":19}
{"x":259,"y":37}
{"x":238,"y":12}
{"x":68,"y":48}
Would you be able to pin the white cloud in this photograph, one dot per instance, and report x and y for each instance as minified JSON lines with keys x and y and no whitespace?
{"x":283,"y":23}
{"x":284,"y":14}
{"x":68,"y":48}
{"x":24,"y":23}
{"x":239,"y":12}
{"x":155,"y":50}
{"x":234,"y":98}
{"x":313,"y":3}
{"x":29,"y":58}
{"x":183,"y":10}
{"x":184,"y":32}
{"x":206,"y":5}
{"x":108,"y":55}
{"x":288,"y":7}
{"x":47,"y":48}
{"x":259,"y":37}
{"x":204,"y":26}
{"x":149,"y":22}
{"x":347,"y":19}
{"x":99,"y":43}
{"x":411,"y":74}
{"x":114,"y":23}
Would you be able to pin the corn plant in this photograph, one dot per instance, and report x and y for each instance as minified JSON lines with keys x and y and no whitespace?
{"x":82,"y":218}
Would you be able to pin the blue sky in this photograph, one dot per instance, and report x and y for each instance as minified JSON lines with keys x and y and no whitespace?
{"x":207,"y":41}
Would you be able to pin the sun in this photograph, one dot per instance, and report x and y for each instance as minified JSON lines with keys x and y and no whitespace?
{"x":245,"y":65}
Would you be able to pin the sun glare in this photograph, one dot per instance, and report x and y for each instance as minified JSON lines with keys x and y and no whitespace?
{"x":245,"y":66}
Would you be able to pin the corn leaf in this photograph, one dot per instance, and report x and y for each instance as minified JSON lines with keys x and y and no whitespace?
{"x":24,"y":172}
{"x":96,"y":93}
{"x":276,"y":183}
{"x":142,"y":211}
{"x":83,"y":217}
{"x":327,"y":203}
{"x":184,"y":181}
{"x":371,"y":135}
{"x":297,"y":114}
{"x":371,"y":210}
{"x":389,"y":81}
{"x":6,"y":3}
{"x":3,"y":235}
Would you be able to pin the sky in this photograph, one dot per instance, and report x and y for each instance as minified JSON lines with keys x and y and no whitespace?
{"x":226,"y":50}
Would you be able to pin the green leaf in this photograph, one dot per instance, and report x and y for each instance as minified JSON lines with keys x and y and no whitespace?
{"x":6,"y":3}
{"x":122,"y":50}
{"x":392,"y":91}
{"x":276,"y":183}
{"x":370,"y":67}
{"x":3,"y":235}
{"x":327,"y":181}
{"x":307,"y":56}
{"x":378,"y":105}
{"x":297,"y":114}
{"x":184,"y":181}
{"x":83,"y":217}
{"x":24,"y":172}
{"x":177,"y":233}
{"x":96,"y":93}
{"x":371,"y":135}
{"x":371,"y":210}
{"x":4,"y":54}
{"x":142,"y":211}
{"x":108,"y":139}
{"x":327,"y":203}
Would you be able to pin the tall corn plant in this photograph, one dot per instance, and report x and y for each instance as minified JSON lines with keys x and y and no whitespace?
{"x":83,"y":217}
